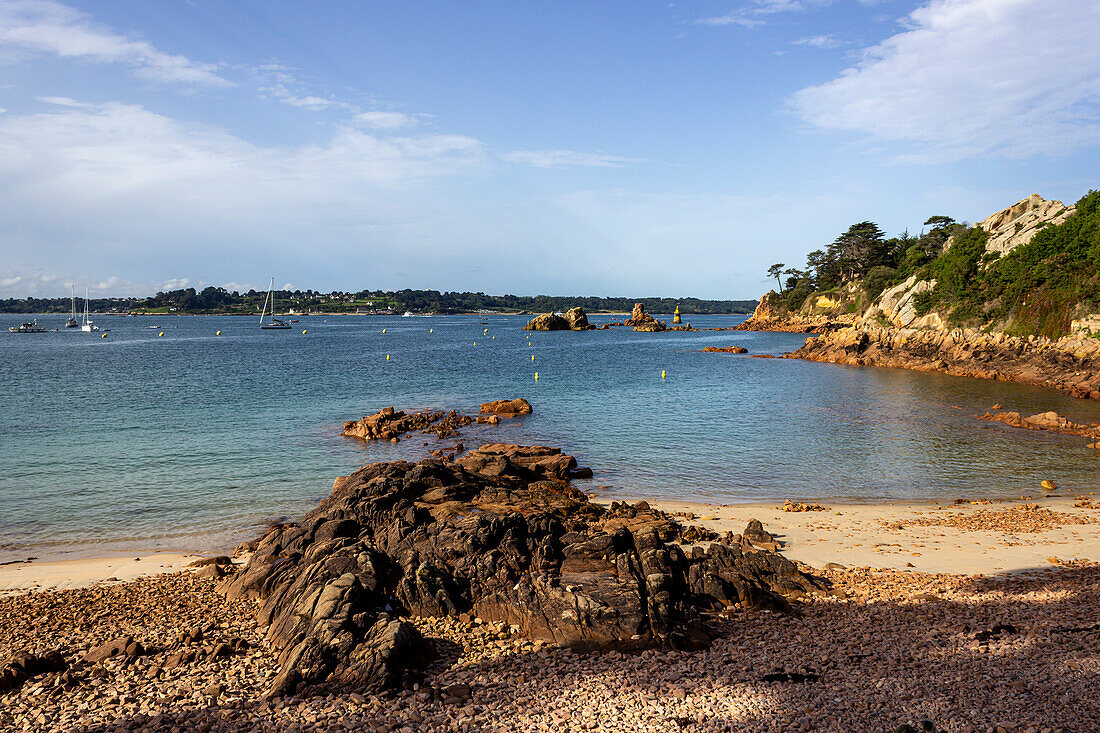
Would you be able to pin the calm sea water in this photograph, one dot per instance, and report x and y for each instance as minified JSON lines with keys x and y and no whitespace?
{"x":192,"y":440}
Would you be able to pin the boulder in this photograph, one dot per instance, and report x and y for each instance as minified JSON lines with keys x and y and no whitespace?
{"x":495,"y":535}
{"x":388,"y":424}
{"x":124,"y":646}
{"x":22,"y":666}
{"x":547,"y":322}
{"x":518,"y":406}
{"x":577,"y":319}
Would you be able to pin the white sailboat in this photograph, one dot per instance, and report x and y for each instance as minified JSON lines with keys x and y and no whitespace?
{"x":274,"y":323}
{"x":87,"y":326}
{"x":72,"y":322}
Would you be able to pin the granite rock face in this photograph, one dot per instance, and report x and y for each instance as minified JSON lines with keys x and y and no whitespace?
{"x":1016,"y":225}
{"x":490,"y":535}
{"x":1070,"y":364}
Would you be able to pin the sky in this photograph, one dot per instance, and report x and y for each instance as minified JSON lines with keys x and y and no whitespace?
{"x":618,"y":148}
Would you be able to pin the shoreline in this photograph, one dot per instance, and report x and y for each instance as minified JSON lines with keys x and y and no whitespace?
{"x":851,"y":534}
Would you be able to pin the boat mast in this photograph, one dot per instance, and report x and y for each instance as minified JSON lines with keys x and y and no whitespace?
{"x":73,"y":285}
{"x":264,"y":310}
{"x":85,"y":305}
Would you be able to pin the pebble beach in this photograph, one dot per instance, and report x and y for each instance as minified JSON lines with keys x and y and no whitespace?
{"x":1008,"y":651}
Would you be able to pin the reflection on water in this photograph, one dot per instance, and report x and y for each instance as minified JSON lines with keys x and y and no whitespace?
{"x":193,"y":440}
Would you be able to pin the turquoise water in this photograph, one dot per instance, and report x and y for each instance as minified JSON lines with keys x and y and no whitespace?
{"x":193,"y":440}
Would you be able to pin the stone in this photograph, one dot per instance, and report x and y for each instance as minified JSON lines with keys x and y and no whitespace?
{"x":518,"y":406}
{"x":122,"y":646}
{"x":388,"y":424}
{"x":726,"y":349}
{"x":499,"y":536}
{"x":547,"y":322}
{"x":22,"y":666}
{"x":577,"y":319}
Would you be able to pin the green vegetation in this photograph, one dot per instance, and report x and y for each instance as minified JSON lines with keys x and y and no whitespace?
{"x":862,"y":254}
{"x":219,"y":300}
{"x":1034,"y":289}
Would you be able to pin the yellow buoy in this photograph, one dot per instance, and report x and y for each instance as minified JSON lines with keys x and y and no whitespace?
{"x":536,"y":376}
{"x":383,"y":330}
{"x":387,"y":357}
{"x":303,"y":332}
{"x":662,"y":374}
{"x":217,"y":333}
{"x":161,"y":333}
{"x":494,"y":338}
{"x":475,"y":343}
{"x":532,"y":357}
{"x":431,"y":330}
{"x":103,"y":336}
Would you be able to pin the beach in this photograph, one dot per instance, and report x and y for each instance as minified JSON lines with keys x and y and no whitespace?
{"x":956,"y":622}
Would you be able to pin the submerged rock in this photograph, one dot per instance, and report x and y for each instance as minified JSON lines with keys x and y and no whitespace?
{"x":497,"y":535}
{"x":518,"y":406}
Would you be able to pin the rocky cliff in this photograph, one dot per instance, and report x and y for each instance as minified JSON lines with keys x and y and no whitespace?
{"x":897,"y":329}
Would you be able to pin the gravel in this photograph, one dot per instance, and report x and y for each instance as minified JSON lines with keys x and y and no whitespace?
{"x":1012,"y":653}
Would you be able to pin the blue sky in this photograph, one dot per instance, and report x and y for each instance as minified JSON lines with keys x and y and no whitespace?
{"x":610,"y":148}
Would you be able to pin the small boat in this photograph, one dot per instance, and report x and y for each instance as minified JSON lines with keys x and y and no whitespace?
{"x":28,"y":327}
{"x":407,"y":314}
{"x":152,"y":326}
{"x":87,"y":326}
{"x":72,"y":322}
{"x":274,"y":324}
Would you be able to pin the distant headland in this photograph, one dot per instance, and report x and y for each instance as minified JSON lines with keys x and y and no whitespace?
{"x":219,"y":301}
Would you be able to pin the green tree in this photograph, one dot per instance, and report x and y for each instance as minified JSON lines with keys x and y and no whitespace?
{"x":775,"y":271}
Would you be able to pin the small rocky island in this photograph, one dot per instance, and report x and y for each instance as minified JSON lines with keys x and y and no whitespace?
{"x":502,"y":535}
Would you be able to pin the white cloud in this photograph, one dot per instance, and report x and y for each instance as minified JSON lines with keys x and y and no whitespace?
{"x":825,"y":41}
{"x":1012,"y":78}
{"x":42,"y":26}
{"x":565,"y":159}
{"x":752,"y":14}
{"x":386,"y":120}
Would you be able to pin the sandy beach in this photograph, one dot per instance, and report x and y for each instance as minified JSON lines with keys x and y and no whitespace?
{"x":21,"y":577}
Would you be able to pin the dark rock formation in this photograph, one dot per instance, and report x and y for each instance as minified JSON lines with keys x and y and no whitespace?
{"x":489,"y":535}
{"x":390,"y":424}
{"x":727,"y":349}
{"x":21,"y":666}
{"x":1051,"y":421}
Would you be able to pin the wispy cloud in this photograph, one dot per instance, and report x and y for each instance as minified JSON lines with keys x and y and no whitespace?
{"x":386,"y":120}
{"x":752,"y":14}
{"x":44,"y":27}
{"x":823,"y":41}
{"x":963,"y":79}
{"x":565,"y":159}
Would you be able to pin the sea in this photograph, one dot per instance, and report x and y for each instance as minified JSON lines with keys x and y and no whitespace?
{"x":167,"y":434}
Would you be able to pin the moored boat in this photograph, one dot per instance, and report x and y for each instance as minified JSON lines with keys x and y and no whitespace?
{"x":27,"y":327}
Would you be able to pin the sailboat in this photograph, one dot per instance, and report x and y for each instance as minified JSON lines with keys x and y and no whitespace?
{"x":274,"y":323}
{"x":72,"y":322}
{"x":87,"y":326}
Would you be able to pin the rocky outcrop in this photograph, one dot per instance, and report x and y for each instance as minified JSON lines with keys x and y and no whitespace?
{"x":1050,"y":421}
{"x":518,"y":406}
{"x":574,"y":319}
{"x":1070,"y":364}
{"x":727,"y":349}
{"x":488,"y":535}
{"x":1016,"y":225}
{"x":22,"y":666}
{"x":577,"y":320}
{"x":898,"y":306}
{"x":390,"y":424}
{"x":642,"y":321}
{"x":771,"y":316}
